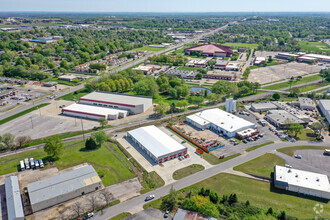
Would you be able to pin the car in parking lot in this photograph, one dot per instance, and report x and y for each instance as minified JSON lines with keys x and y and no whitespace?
{"x":297,"y":156}
{"x":41,"y":163}
{"x":150,"y":197}
{"x":36,"y":163}
{"x":236,"y":143}
{"x":245,"y":141}
{"x":166,"y":213}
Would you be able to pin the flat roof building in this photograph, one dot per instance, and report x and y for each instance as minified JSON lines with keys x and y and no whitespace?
{"x":145,"y":69}
{"x":184,"y":74}
{"x":14,"y":203}
{"x":219,"y":121}
{"x":308,"y":183}
{"x":324,"y":105}
{"x":259,"y":60}
{"x":282,"y":118}
{"x":211,"y":50}
{"x":263,"y":107}
{"x":93,"y":112}
{"x":306,"y":103}
{"x":67,"y":77}
{"x":197,"y":63}
{"x":159,"y":146}
{"x":222,"y":64}
{"x":63,"y":187}
{"x":132,"y":103}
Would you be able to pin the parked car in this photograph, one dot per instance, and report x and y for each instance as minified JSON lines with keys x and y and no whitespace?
{"x":27,"y":164}
{"x":150,"y":197}
{"x":41,"y":163}
{"x":236,"y":143}
{"x":166,"y":213}
{"x":245,"y":141}
{"x":32,"y":163}
{"x":297,"y":156}
{"x":36,"y":163}
{"x":288,"y":166}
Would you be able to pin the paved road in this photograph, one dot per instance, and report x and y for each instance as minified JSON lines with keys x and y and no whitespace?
{"x":137,"y":202}
{"x":299,"y":85}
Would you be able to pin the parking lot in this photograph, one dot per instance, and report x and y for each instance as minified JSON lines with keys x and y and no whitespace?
{"x":279,"y":72}
{"x":166,"y":169}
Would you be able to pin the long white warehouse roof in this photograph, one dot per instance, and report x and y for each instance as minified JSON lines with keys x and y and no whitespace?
{"x":92,"y":110}
{"x":224,"y":120}
{"x":302,"y":178}
{"x":156,"y":141}
{"x":13,"y":198}
{"x":116,"y":99}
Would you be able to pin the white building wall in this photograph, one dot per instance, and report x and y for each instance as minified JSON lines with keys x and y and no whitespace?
{"x":92,"y":117}
{"x":311,"y":192}
{"x":324,"y":111}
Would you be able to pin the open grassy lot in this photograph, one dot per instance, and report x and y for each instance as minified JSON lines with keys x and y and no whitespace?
{"x":290,"y":150}
{"x":153,"y":49}
{"x":108,"y":166}
{"x":258,"y":146}
{"x":260,"y":194}
{"x":239,"y":45}
{"x":22,"y":113}
{"x":312,"y":87}
{"x":307,"y":135}
{"x":121,"y":216}
{"x":214,"y":160}
{"x":74,"y":95}
{"x":261,"y":166}
{"x":186,"y":171}
{"x":110,"y":169}
{"x":313,"y":46}
{"x":287,"y":84}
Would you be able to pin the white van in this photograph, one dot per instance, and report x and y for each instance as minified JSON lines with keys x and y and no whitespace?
{"x":22,"y":166}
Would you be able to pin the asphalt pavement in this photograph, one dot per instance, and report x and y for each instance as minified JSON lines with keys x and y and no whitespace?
{"x":137,"y":202}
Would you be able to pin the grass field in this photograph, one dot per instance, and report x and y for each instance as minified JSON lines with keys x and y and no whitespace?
{"x":261,"y":166}
{"x":22,"y":113}
{"x":214,"y":160}
{"x":121,"y":216}
{"x":186,"y":171}
{"x":259,"y":193}
{"x":287,"y":84}
{"x":290,"y":150}
{"x":258,"y":146}
{"x":74,"y":95}
{"x":239,"y":45}
{"x":313,"y":46}
{"x":311,"y":87}
{"x":108,"y":166}
{"x":153,"y":49}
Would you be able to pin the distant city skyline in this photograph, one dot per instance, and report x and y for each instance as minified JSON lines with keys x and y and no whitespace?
{"x":165,"y":6}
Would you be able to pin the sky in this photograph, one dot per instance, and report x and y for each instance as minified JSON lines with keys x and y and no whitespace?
{"x":166,"y":5}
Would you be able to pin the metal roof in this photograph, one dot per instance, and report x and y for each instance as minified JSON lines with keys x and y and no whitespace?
{"x":325,"y":103}
{"x":281,"y":117}
{"x":13,"y":198}
{"x":62,"y":184}
{"x":156,"y":141}
{"x":116,"y":98}
{"x":264,"y":105}
{"x":92,"y":110}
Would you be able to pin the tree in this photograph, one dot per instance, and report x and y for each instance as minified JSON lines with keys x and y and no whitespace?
{"x":90,"y":144}
{"x":107,"y":196}
{"x":316,"y":127}
{"x":172,"y":108}
{"x":8,"y":140}
{"x":103,"y":122}
{"x":189,"y":204}
{"x":54,"y":147}
{"x":161,"y":108}
{"x":232,"y":199}
{"x":199,"y":76}
{"x":276,"y":96}
{"x":92,"y":201}
{"x":100,"y":137}
{"x":213,"y":98}
{"x":77,"y":208}
{"x":197,"y":100}
{"x":21,"y":140}
{"x":169,"y":202}
{"x":296,"y":129}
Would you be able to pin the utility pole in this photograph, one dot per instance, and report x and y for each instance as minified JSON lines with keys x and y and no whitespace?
{"x":82,"y":128}
{"x":31,"y":122}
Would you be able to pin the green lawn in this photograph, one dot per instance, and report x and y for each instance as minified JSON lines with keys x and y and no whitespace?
{"x":239,"y":45}
{"x":110,"y":169}
{"x":311,"y":87}
{"x":108,"y":166}
{"x":287,"y":84}
{"x":215,"y":160}
{"x":186,"y":171}
{"x":314,"y":46}
{"x":153,"y":49}
{"x":258,"y":146}
{"x":261,"y":166}
{"x":267,"y":64}
{"x":290,"y":150}
{"x":74,"y":95}
{"x":22,"y":113}
{"x":306,"y":135}
{"x":121,"y":216}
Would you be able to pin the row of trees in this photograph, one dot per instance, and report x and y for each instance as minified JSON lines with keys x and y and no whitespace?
{"x":235,"y":89}
{"x":9,"y":141}
{"x":178,"y":60}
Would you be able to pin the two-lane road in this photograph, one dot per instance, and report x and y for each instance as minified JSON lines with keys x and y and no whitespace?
{"x":138,"y":202}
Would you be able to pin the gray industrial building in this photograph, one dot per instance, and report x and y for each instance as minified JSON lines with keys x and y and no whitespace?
{"x":13,"y":199}
{"x":305,"y":103}
{"x":63,"y":187}
{"x":282,"y":119}
{"x":324,"y":106}
{"x":132,"y":103}
{"x":263,"y":107}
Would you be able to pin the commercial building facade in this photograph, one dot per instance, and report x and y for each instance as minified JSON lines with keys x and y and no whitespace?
{"x":156,"y":144}
{"x":133,"y":104}
{"x":324,"y":106}
{"x":306,"y":103}
{"x":283,"y":119}
{"x":211,"y":50}
{"x":263,"y":107}
{"x":63,"y":187}
{"x":308,"y":183}
{"x":14,"y":203}
{"x":220,"y":122}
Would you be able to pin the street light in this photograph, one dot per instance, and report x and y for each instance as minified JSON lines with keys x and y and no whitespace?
{"x":31,"y":122}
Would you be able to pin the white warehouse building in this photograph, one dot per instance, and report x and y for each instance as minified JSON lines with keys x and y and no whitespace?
{"x":93,"y":112}
{"x":219,"y":121}
{"x":14,"y":203}
{"x":324,"y":105}
{"x":158,"y":146}
{"x":132,"y":103}
{"x":63,"y":187}
{"x":308,"y":183}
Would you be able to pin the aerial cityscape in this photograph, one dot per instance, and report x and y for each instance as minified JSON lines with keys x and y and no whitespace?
{"x":148,"y":110}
